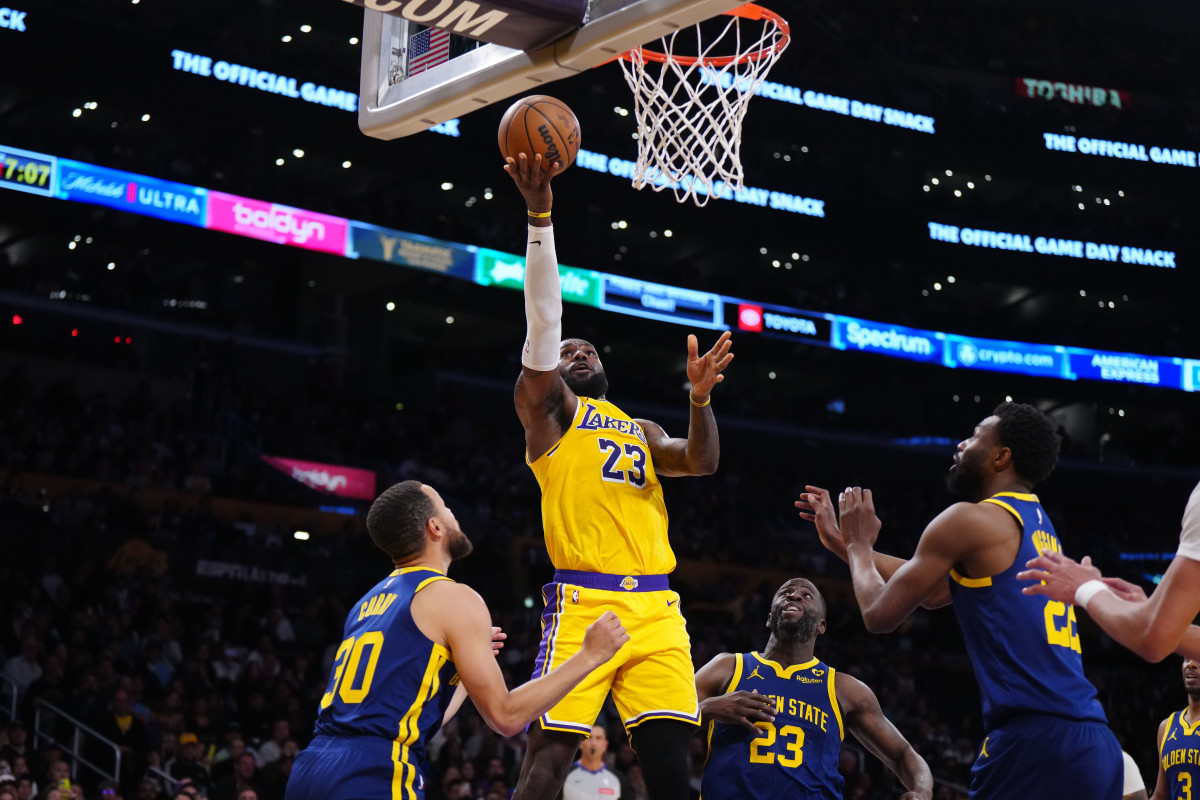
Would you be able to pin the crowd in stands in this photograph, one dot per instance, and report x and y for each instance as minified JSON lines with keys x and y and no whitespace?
{"x":208,"y":685}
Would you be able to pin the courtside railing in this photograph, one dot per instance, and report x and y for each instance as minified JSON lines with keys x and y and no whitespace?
{"x":8,"y":698}
{"x":82,"y":744}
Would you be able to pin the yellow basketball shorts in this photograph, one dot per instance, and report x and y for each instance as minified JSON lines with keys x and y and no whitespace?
{"x":651,"y":677}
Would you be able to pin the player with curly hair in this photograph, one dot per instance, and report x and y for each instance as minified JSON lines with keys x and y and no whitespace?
{"x":1047,"y":735}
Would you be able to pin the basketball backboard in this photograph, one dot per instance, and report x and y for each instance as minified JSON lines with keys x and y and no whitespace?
{"x":397,"y":100}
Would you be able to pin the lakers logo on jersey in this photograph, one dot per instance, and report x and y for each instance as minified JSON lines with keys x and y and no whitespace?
{"x":629,"y":583}
{"x":595,"y":420}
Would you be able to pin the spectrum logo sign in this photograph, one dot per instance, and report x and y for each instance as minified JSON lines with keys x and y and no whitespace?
{"x":275,"y":223}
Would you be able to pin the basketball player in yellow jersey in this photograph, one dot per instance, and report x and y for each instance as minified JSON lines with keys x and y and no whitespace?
{"x":606,"y":529}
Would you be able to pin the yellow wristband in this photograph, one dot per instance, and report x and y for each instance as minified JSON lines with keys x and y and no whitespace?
{"x":537,"y":214}
{"x":699,"y":405}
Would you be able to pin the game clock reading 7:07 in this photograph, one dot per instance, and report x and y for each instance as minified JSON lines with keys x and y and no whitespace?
{"x":27,"y":172}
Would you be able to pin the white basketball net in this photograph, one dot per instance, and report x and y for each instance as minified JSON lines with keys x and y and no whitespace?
{"x":689,"y":107}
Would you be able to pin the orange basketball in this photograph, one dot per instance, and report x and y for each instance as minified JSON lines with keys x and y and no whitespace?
{"x":540,"y":124}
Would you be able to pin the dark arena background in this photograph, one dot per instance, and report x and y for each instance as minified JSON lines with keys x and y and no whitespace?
{"x":950,"y":205}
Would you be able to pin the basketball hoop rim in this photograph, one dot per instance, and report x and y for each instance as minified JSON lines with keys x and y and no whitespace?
{"x":751,"y":11}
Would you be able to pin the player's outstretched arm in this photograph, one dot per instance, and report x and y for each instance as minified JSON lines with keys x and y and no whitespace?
{"x":816,"y":506}
{"x":460,"y":691}
{"x":542,"y":398}
{"x":865,"y":719}
{"x":1162,"y":790}
{"x":945,"y":542}
{"x":732,"y":708}
{"x":700,"y":452}
{"x":1152,"y":628}
{"x":456,"y":615}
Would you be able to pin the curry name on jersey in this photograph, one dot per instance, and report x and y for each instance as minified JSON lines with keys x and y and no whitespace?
{"x":796,"y":756}
{"x":388,"y":679}
{"x":1179,"y":755}
{"x":602,"y":503}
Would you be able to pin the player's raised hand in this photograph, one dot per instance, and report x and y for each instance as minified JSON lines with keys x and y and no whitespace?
{"x":533,"y":181}
{"x":704,"y":371}
{"x":817,"y":507}
{"x":498,"y":637}
{"x":859,"y":523}
{"x":605,"y":637}
{"x":1058,"y":576}
{"x":740,"y":708}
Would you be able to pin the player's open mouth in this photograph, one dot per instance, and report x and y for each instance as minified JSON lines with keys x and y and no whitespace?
{"x":581,"y":368}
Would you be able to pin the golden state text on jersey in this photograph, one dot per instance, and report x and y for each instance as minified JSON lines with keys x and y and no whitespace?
{"x":796,"y":755}
{"x":602,"y":503}
{"x":1179,"y":755}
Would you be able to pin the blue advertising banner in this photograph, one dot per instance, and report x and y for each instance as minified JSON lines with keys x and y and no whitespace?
{"x":1125,"y":368}
{"x":1044,"y":360}
{"x":658,"y":301}
{"x":412,"y":250}
{"x":889,"y":340}
{"x":129,"y":191}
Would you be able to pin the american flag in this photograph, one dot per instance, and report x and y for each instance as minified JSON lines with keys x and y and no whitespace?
{"x":427,"y":49}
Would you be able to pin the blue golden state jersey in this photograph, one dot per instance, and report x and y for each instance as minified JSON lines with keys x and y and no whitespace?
{"x":1179,"y":755}
{"x":602,"y":503}
{"x":796,"y":756}
{"x":388,"y":679}
{"x":1024,"y":648}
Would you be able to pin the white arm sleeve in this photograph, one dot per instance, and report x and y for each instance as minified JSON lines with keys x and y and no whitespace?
{"x":543,"y":301}
{"x":1189,"y":535}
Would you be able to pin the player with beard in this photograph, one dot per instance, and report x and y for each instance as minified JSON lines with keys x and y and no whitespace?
{"x":1047,"y":735}
{"x":1179,"y":742}
{"x":404,"y":642}
{"x":776,"y":720}
{"x":605,"y":527}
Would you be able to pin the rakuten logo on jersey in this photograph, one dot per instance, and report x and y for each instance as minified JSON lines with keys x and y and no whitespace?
{"x":275,"y":223}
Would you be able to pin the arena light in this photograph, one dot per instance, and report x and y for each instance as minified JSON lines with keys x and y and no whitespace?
{"x":301,"y":536}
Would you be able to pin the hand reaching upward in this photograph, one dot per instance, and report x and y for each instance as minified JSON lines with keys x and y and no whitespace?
{"x":704,"y":371}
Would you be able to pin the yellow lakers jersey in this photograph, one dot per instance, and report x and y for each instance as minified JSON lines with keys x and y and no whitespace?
{"x":602,"y":504}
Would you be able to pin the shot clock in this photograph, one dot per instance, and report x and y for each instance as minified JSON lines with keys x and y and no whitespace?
{"x":27,"y":172}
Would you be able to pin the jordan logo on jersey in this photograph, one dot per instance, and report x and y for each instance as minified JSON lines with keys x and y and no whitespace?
{"x":1173,"y":732}
{"x":755,"y":675}
{"x":593,"y":420}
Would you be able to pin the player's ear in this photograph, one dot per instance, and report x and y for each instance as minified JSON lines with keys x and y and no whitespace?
{"x":821,"y":627}
{"x":1002,"y":458}
{"x":434,"y":530}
